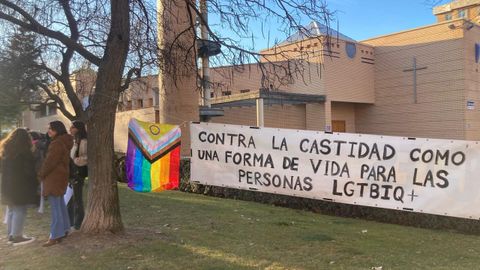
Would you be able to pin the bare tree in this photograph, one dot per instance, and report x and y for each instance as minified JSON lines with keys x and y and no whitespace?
{"x":237,"y":24}
{"x":97,"y":32}
{"x":118,"y":38}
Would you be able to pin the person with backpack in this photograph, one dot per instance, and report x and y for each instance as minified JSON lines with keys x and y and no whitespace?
{"x":18,"y":183}
{"x":78,"y":173}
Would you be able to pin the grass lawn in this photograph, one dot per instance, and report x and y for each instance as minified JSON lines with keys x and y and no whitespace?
{"x":175,"y":230}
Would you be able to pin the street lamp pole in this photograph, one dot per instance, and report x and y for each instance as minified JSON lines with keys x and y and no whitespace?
{"x":205,"y":57}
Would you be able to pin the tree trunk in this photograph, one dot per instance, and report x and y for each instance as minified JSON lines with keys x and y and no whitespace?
{"x":103,"y":209}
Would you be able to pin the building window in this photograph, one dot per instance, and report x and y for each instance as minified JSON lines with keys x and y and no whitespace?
{"x":140,"y":103}
{"x":448,"y":16}
{"x":477,"y":52}
{"x":462,"y":13}
{"x":44,"y":110}
{"x":156,"y":96}
{"x":226,"y":93}
{"x":52,"y":109}
{"x":149,"y":103}
{"x":128,"y":106}
{"x":244,"y":90}
{"x":41,"y":111}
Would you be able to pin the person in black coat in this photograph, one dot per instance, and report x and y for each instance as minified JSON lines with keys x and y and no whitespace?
{"x":18,"y":183}
{"x":40,"y":143}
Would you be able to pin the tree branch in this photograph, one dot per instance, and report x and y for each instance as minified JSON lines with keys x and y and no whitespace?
{"x":59,"y":101}
{"x":128,"y":80}
{"x":36,"y":27}
{"x":67,"y":57}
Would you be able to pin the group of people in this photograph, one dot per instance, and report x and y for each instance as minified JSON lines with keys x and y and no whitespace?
{"x":32,"y":168}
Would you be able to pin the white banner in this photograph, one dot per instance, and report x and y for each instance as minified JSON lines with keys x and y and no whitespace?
{"x":422,"y":175}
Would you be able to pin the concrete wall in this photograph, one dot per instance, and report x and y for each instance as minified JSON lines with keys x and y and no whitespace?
{"x":34,"y":123}
{"x":276,"y":116}
{"x":315,"y":116}
{"x":144,"y":90}
{"x":285,"y":116}
{"x":245,"y":116}
{"x":305,"y":78}
{"x":121,"y":126}
{"x":350,"y":79}
{"x":344,"y":112}
{"x":309,"y":116}
{"x":235,"y":79}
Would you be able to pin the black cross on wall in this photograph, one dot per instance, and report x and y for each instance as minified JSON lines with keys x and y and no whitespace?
{"x":414,"y":69}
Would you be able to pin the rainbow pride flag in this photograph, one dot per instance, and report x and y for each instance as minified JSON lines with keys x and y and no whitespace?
{"x":153,"y":156}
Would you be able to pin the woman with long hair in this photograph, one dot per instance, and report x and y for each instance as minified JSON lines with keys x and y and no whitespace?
{"x":78,"y":172}
{"x":19,"y":184}
{"x":54,"y":175}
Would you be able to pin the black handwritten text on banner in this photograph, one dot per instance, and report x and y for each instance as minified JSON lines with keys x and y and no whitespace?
{"x":422,"y":175}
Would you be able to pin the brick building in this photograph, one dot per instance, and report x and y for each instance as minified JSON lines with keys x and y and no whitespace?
{"x":421,"y":82}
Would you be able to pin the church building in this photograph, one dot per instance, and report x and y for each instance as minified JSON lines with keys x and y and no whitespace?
{"x":421,"y":82}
